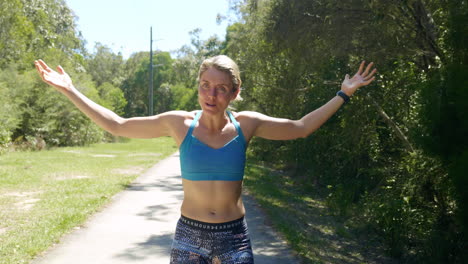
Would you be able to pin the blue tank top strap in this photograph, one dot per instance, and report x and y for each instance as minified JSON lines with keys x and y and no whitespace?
{"x":238,"y":128}
{"x":194,"y":122}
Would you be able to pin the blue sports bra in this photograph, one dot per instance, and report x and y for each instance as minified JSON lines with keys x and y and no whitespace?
{"x":199,"y":162}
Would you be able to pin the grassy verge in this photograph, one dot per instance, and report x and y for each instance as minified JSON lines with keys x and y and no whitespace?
{"x":297,"y":209}
{"x":46,"y":194}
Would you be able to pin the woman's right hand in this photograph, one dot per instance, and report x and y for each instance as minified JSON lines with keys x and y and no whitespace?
{"x":60,"y":80}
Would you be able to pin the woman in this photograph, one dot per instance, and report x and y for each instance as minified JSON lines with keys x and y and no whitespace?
{"x":212,"y":144}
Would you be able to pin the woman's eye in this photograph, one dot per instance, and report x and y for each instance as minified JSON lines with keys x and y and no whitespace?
{"x":221,"y":90}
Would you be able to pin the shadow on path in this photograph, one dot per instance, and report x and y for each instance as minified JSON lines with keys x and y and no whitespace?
{"x":154,"y":245}
{"x":139,"y":224}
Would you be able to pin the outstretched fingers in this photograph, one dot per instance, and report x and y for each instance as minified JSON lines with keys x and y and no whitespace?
{"x":36,"y":64}
{"x":361,"y":68}
{"x":371,"y":75}
{"x":366,"y":72}
{"x":60,"y":69}
{"x":44,"y":66}
{"x":40,"y":69}
{"x":44,"y":71}
{"x":366,"y":82}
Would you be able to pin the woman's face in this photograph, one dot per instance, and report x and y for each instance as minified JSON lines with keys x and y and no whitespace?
{"x":215,"y":91}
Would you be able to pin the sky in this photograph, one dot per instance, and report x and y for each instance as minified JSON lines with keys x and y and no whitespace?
{"x":124,"y":25}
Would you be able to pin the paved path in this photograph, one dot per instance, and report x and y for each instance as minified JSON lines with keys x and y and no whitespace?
{"x":138,"y":226}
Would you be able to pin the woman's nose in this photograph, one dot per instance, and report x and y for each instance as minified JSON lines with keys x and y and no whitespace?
{"x":212,"y":92}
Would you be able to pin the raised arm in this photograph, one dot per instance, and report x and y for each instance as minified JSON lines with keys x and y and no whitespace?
{"x":285,"y":129}
{"x":138,"y":127}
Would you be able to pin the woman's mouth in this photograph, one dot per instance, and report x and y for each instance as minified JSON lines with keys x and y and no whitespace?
{"x":210,"y":105}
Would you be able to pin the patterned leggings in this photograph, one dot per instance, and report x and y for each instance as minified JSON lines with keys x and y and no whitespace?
{"x":200,"y":242}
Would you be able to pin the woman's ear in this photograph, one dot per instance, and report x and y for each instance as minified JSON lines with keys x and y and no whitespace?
{"x":236,"y":95}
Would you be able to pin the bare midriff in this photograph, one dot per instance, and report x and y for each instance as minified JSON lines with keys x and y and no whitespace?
{"x":212,"y":201}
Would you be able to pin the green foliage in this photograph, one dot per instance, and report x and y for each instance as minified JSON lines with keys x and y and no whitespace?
{"x":31,"y":28}
{"x":112,"y":98}
{"x":136,"y":86}
{"x":406,"y":208}
{"x":13,"y":32}
{"x":105,"y":66}
{"x":184,"y":98}
{"x":10,"y":111}
{"x":48,"y":115}
{"x":392,"y":150}
{"x":32,"y":113}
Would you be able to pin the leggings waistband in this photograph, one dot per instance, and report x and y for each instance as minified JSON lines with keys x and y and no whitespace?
{"x":212,"y":226}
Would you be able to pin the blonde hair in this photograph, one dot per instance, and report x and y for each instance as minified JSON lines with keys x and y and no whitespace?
{"x":224,"y":64}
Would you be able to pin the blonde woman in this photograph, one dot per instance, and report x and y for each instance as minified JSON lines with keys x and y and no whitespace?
{"x":212,"y":143}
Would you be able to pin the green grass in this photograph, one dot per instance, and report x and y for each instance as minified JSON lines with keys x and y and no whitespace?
{"x":45,"y":194}
{"x":298,"y":210}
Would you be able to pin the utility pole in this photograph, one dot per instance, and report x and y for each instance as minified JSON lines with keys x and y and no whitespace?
{"x":150,"y":110}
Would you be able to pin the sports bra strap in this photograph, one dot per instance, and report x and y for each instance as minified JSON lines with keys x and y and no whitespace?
{"x":237,"y":125}
{"x":194,"y":122}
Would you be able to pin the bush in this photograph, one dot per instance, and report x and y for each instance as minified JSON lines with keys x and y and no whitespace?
{"x":12,"y":86}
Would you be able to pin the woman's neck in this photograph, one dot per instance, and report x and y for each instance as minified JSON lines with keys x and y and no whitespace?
{"x":215,"y":123}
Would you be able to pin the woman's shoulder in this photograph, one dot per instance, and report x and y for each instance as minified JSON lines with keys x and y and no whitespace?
{"x":248,"y":121}
{"x":251,"y":119}
{"x":176,"y":119}
{"x":179,"y":114}
{"x":247,"y":115}
{"x":178,"y":122}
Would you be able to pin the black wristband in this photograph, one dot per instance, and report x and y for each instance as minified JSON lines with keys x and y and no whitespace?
{"x":343,"y":95}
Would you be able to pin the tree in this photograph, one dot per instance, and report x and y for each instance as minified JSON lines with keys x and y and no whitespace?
{"x":298,"y":51}
{"x":112,"y":98}
{"x":40,"y":29}
{"x":106,"y":66}
{"x":32,"y":29}
{"x":136,"y":86}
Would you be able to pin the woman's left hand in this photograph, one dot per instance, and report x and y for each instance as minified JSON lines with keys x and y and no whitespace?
{"x":349,"y":86}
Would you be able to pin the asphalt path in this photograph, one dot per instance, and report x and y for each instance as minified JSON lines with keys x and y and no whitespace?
{"x":138,"y":226}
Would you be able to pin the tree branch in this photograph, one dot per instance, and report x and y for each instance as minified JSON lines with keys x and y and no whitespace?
{"x":392,"y":124}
